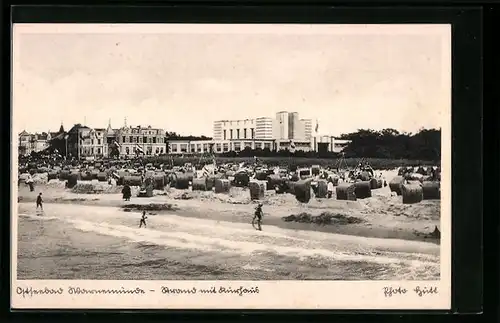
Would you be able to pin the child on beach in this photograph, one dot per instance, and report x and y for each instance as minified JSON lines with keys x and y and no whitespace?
{"x":39,"y":202}
{"x":258,"y":216}
{"x":143,"y":219}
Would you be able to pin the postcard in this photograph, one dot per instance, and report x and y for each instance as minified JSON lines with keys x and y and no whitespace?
{"x":231,"y":166}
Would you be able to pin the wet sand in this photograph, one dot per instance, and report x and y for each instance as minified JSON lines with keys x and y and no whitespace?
{"x":96,"y":242}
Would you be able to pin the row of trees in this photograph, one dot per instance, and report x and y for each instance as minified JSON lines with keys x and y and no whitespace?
{"x":391,"y":144}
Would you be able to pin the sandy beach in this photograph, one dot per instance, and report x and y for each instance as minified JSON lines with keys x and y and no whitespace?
{"x":378,"y":236}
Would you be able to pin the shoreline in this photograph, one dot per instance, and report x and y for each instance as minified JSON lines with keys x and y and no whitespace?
{"x":374,"y":224}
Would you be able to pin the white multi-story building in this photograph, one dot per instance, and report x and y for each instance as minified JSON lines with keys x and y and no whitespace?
{"x":264,"y":132}
{"x":264,"y":128}
{"x":287,"y":125}
{"x":234,"y":129}
{"x":281,"y":125}
{"x":307,"y":125}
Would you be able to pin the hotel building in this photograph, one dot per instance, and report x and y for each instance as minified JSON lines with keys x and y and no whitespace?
{"x":285,"y":131}
{"x":89,"y":143}
{"x":147,"y":140}
{"x":236,"y":129}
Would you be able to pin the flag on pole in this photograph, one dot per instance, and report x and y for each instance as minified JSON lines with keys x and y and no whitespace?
{"x":207,"y":171}
{"x":317,"y":126}
{"x":139,"y":149}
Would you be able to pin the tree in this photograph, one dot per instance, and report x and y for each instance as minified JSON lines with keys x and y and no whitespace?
{"x":391,"y":144}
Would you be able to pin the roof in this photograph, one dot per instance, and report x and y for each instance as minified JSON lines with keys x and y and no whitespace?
{"x":77,"y":127}
{"x":99,"y":129}
{"x":24,"y":133}
{"x":59,"y":136}
{"x":42,"y":136}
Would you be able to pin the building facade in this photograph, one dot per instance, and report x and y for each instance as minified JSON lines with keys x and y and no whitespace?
{"x":182,"y":147}
{"x":285,"y":131}
{"x":307,"y":126}
{"x":35,"y":142}
{"x":330,"y":144}
{"x":264,"y":128}
{"x":234,"y":129}
{"x":288,"y":125}
{"x":85,"y":142}
{"x":285,"y":125}
{"x":140,"y":140}
{"x":281,"y":125}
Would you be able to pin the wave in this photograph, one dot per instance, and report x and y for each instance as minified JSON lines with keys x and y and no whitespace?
{"x":183,"y":240}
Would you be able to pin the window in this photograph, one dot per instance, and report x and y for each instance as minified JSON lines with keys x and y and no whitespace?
{"x":237,"y":133}
{"x":193,"y":148}
{"x":157,"y":150}
{"x":139,"y":140}
{"x":91,"y":141}
{"x":237,"y":146}
{"x":127,"y":150}
{"x":184,"y":148}
{"x":123,"y":139}
{"x":173,"y":147}
{"x":245,"y":133}
{"x":98,"y":141}
{"x":150,"y":150}
{"x":98,"y":151}
{"x":225,"y":147}
{"x":253,"y":133}
{"x":91,"y":151}
{"x":218,"y":147}
{"x":145,"y":140}
{"x":231,"y":134}
{"x":161,"y":150}
{"x":154,"y":140}
{"x":224,"y":134}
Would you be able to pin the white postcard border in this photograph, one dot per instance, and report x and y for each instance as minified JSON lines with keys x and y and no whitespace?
{"x":271,"y":294}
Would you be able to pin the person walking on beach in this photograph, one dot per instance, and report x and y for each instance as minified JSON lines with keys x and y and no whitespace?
{"x":39,"y":202}
{"x":258,"y":216}
{"x":330,"y":187}
{"x":143,"y":219}
{"x":127,"y":192}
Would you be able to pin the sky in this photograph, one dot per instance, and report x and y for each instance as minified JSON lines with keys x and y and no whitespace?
{"x":183,"y":77}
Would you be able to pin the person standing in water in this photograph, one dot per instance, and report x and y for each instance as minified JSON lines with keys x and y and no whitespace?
{"x":39,"y":202}
{"x":143,"y":219}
